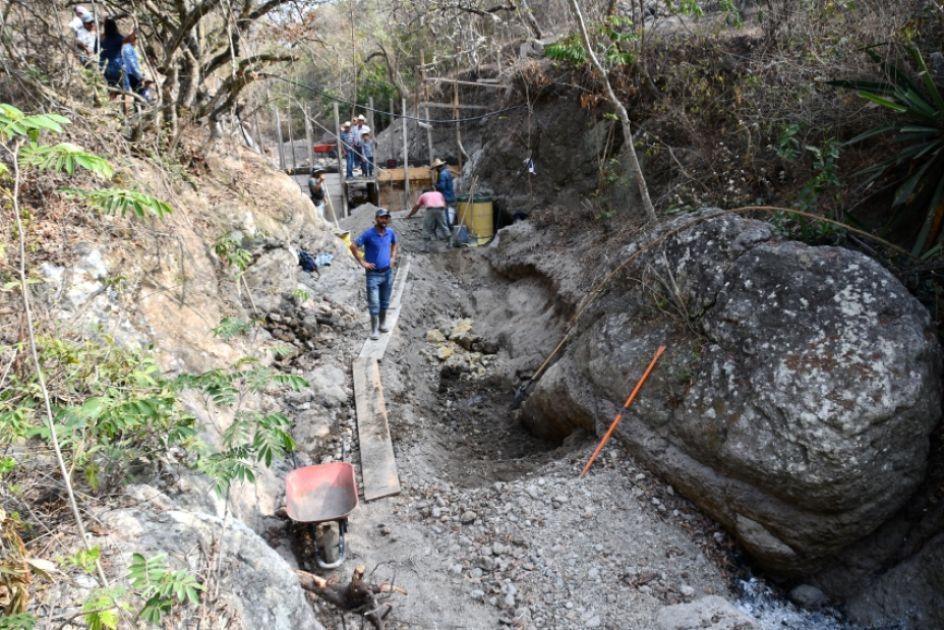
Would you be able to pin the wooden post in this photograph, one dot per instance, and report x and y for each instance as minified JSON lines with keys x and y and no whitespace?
{"x":255,"y":130}
{"x":278,"y":136}
{"x":455,"y":113}
{"x":406,"y":160}
{"x":429,"y":126}
{"x":391,"y":110}
{"x":308,"y":140}
{"x":291,"y":138}
{"x":370,"y":119}
{"x":341,"y":163}
{"x":455,"y":116}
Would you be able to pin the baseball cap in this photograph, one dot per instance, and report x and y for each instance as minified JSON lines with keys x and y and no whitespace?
{"x":382,"y":212}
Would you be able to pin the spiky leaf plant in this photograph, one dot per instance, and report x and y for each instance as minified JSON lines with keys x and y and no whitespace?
{"x":918,"y":164}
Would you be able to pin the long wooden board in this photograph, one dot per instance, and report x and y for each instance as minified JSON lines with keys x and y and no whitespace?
{"x":378,"y":463}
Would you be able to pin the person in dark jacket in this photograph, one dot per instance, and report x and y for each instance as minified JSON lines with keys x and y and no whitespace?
{"x":446,"y":186}
{"x":109,"y":58}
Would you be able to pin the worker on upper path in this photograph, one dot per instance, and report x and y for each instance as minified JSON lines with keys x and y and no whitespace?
{"x":445,"y":185}
{"x":347,"y":146}
{"x":316,"y":188}
{"x":379,"y":259}
{"x":435,"y":218}
{"x":359,"y":129}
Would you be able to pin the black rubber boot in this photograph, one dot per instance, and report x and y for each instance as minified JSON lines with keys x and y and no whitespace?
{"x":383,"y":322}
{"x":374,"y":327}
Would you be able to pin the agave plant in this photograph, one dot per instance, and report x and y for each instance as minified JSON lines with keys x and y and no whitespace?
{"x":919,"y":128}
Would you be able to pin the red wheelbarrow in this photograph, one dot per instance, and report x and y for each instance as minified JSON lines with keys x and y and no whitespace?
{"x":323,"y":495}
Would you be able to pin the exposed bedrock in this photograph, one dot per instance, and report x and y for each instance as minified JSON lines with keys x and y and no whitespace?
{"x":796,"y":397}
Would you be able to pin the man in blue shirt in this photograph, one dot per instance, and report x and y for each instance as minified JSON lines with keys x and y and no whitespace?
{"x":380,"y":256}
{"x":445,"y":185}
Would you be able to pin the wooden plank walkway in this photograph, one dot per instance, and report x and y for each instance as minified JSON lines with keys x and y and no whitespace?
{"x":378,"y":462}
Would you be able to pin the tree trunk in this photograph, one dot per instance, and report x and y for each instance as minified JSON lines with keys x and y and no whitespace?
{"x":634,"y":168}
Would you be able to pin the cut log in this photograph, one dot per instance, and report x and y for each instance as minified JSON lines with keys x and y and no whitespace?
{"x":357,"y":596}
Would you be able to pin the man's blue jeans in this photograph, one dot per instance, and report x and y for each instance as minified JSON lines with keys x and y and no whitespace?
{"x":349,"y":158}
{"x":379,"y":287}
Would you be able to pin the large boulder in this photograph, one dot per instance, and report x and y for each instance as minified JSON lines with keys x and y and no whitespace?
{"x":796,"y":397}
{"x":254,"y":586}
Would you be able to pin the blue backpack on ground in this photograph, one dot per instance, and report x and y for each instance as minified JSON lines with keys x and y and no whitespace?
{"x":306,"y":261}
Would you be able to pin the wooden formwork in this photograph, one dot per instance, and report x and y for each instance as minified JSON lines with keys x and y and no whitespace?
{"x":391,"y":184}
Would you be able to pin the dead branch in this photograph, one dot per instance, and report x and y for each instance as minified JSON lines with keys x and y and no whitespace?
{"x":357,"y":596}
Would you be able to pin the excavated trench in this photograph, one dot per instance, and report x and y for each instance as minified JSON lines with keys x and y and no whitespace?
{"x":492,"y":526}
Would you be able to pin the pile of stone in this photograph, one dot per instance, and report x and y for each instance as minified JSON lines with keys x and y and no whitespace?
{"x":301,"y":319}
{"x":462,"y":353}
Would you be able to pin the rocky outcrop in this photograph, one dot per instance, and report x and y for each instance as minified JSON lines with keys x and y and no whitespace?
{"x":795,"y":400}
{"x":251,"y":586}
{"x":911,"y":593}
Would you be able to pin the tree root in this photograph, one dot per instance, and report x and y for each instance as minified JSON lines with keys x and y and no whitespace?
{"x":357,"y":596}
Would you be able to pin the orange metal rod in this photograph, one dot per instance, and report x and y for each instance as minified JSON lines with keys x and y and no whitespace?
{"x":619,"y":416}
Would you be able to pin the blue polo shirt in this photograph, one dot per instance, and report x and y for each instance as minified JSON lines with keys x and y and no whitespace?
{"x":377,"y":246}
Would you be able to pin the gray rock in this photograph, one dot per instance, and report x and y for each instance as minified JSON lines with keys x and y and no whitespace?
{"x":794,"y":407}
{"x":256,"y":586}
{"x":707,"y":613}
{"x":808,"y":596}
{"x":272,"y":277}
{"x":910,"y":595}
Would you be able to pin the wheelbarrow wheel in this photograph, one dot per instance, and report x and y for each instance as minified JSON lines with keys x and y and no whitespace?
{"x":328,"y":543}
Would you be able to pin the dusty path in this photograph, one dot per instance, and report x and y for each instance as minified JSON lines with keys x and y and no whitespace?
{"x":493,"y":526}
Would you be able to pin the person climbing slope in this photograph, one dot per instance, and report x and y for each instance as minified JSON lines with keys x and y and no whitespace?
{"x":134,"y":77}
{"x":379,"y":259}
{"x":110,"y":56}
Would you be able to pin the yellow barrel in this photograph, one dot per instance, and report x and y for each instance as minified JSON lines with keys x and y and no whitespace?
{"x":476,"y":214}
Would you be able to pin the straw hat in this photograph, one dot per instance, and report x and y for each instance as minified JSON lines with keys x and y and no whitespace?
{"x":437,"y":163}
{"x":346,"y":123}
{"x":361,"y":117}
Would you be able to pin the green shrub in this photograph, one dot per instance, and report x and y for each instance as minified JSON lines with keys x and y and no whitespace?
{"x":917,"y":165}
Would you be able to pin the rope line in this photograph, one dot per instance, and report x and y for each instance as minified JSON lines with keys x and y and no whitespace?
{"x":434,"y":121}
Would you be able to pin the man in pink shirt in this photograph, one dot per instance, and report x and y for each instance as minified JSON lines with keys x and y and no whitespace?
{"x":435,"y":218}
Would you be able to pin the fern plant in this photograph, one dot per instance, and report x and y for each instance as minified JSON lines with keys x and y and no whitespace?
{"x":121,"y":201}
{"x":160,"y":587}
{"x":918,"y":165}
